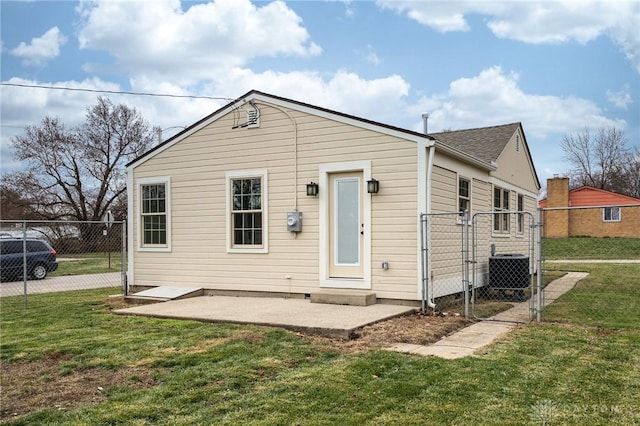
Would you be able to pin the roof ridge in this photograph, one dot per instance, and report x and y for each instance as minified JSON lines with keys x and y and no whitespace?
{"x":517,"y":123}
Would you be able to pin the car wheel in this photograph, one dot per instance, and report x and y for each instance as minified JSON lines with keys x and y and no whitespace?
{"x":39,"y":272}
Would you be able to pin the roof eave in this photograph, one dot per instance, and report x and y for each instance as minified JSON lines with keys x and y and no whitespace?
{"x":460,"y":155}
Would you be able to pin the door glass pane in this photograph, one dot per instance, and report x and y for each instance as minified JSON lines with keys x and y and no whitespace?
{"x":347,"y":217}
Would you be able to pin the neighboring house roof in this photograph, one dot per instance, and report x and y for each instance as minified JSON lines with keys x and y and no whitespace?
{"x":480,"y":147}
{"x":588,"y":196}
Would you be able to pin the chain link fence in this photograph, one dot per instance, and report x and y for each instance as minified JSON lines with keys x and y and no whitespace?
{"x":577,"y":265}
{"x":592,"y":255}
{"x":479,"y":266}
{"x":57,"y":256}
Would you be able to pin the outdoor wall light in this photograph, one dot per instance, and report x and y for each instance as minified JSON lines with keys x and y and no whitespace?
{"x":312,"y":189}
{"x":373,"y":186}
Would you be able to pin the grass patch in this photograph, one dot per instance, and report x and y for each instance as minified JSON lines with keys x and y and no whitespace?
{"x":591,"y":248}
{"x":608,"y":297}
{"x":88,"y":263}
{"x":146,"y":371}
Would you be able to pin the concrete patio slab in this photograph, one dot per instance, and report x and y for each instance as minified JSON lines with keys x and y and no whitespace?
{"x":294,"y":314}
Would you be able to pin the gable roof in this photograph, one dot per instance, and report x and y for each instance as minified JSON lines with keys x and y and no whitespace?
{"x":469,"y":152}
{"x":485,"y":143}
{"x":283,"y":102}
{"x":588,"y":196}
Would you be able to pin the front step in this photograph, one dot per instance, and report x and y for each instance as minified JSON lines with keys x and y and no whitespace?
{"x":354,"y":299}
{"x":162,"y":294}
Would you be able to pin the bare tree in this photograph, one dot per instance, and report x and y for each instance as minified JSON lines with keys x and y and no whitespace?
{"x":631,"y":174}
{"x":79,"y":173}
{"x":597,"y":159}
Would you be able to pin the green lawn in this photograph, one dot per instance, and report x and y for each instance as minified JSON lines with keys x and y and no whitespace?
{"x":88,"y":263}
{"x":591,"y":248}
{"x":187,"y":373}
{"x":609,"y":297}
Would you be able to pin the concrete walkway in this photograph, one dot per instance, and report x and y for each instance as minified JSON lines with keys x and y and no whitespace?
{"x":470,"y":339}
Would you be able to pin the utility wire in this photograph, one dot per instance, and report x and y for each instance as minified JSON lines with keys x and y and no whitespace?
{"x":115,"y":92}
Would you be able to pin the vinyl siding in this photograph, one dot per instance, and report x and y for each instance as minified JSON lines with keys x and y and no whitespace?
{"x":512,"y":164}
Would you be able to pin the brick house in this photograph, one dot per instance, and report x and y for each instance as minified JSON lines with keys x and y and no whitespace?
{"x":588,"y":211}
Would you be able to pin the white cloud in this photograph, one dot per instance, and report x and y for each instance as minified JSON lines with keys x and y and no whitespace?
{"x":494,"y":97}
{"x":380,"y":99}
{"x":41,"y":49}
{"x":160,"y":39}
{"x":371,"y":56}
{"x":621,"y":98}
{"x":535,"y":22}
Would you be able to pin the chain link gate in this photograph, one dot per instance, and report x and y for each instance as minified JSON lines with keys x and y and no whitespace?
{"x":478,"y":264}
{"x":504,"y":256}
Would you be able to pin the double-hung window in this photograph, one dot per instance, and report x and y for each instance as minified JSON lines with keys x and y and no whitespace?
{"x":247,"y":211}
{"x":154,"y":213}
{"x":520,"y":215}
{"x":611,"y":214}
{"x":464,"y":195}
{"x":501,"y":203}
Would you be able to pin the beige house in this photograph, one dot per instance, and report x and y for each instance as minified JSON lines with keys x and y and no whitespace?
{"x":272,"y":196}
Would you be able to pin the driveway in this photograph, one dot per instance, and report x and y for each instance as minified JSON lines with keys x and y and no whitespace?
{"x":66,"y":283}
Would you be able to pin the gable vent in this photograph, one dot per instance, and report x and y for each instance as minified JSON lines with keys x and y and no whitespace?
{"x":253,"y":118}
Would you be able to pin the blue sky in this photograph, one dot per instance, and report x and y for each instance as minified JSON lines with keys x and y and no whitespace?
{"x":555,"y":66}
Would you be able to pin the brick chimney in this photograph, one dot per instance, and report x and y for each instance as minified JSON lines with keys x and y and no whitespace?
{"x":556,"y":222}
{"x":558,"y":192}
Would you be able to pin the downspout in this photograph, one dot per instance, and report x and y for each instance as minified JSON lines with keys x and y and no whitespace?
{"x":432,"y":150}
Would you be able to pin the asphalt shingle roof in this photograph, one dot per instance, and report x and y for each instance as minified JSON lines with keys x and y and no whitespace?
{"x":485,"y":143}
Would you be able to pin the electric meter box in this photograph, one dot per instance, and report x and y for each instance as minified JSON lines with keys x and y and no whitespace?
{"x":294,"y":221}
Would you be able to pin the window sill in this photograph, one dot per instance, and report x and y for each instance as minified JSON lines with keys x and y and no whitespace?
{"x":162,"y":249}
{"x":259,"y":250}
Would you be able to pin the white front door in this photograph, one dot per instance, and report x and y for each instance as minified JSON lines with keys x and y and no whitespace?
{"x":346,"y":225}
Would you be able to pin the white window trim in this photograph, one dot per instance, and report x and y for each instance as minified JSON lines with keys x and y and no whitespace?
{"x":470,"y":197}
{"x":501,"y":233}
{"x":262,"y":173}
{"x":166,"y":180}
{"x":612,"y":220}
{"x":519,"y":216}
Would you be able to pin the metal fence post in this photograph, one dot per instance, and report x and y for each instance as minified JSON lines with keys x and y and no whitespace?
{"x":539,"y":261}
{"x":123,"y":250}
{"x":465,"y":261}
{"x":24,"y":261}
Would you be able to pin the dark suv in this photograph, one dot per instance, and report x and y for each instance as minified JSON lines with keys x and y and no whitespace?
{"x":41,"y":258}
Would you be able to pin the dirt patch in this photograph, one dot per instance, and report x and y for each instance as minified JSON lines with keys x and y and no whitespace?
{"x":51,"y":383}
{"x":31,"y":386}
{"x":415,"y":328}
